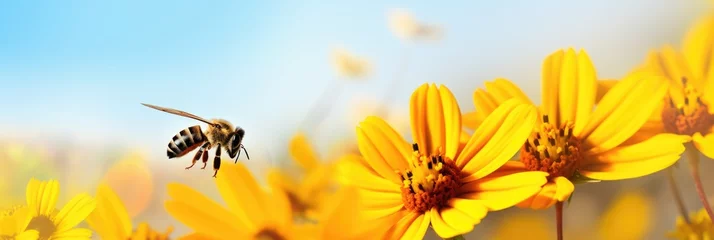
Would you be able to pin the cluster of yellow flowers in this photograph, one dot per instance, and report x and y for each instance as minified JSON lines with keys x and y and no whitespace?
{"x":513,"y":152}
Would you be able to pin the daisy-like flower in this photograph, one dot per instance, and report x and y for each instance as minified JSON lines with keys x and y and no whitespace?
{"x":403,"y":24}
{"x":252,"y":212}
{"x":50,"y":223}
{"x":131,"y":179}
{"x":308,"y":192}
{"x":437,"y":181}
{"x":112,"y":222}
{"x":573,"y":140}
{"x":699,"y":227}
{"x":349,"y":65}
{"x":13,"y":224}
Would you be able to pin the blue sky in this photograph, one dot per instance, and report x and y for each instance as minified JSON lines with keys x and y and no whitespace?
{"x":81,"y":68}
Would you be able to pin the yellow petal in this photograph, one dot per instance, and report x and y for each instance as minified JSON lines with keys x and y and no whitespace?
{"x":246,"y":200}
{"x":550,"y":84}
{"x":503,"y":144}
{"x":399,"y":228}
{"x":74,"y":212}
{"x":502,"y":89}
{"x":623,"y":111}
{"x":28,"y":235}
{"x":484,"y":103}
{"x":485,"y":131}
{"x":568,"y":88}
{"x":676,"y":67}
{"x":201,"y":236}
{"x":42,"y":196}
{"x":458,"y":220}
{"x":501,"y":192}
{"x":705,"y":144}
{"x":373,"y":199}
{"x":200,"y":213}
{"x":557,"y":190}
{"x":392,"y":148}
{"x":452,"y":122}
{"x":698,"y":46}
{"x":586,"y":91}
{"x":110,"y":218}
{"x":652,"y":155}
{"x":471,"y":120}
{"x":368,"y":143}
{"x":417,"y":229}
{"x":359,"y":176}
{"x":444,"y":229}
{"x":435,"y":125}
{"x":278,"y":207}
{"x":633,"y":210}
{"x":302,"y":152}
{"x":418,"y":115}
{"x":603,"y":86}
{"x":73,"y":234}
{"x":474,"y":209}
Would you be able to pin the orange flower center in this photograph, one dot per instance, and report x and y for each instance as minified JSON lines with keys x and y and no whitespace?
{"x":43,"y":225}
{"x":429,"y":182}
{"x":689,"y":116}
{"x":553,"y":150}
{"x":268,"y":234}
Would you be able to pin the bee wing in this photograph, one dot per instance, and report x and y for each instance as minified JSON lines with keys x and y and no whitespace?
{"x":178,"y":112}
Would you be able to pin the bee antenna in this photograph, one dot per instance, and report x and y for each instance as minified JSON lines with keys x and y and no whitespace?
{"x":246,"y":151}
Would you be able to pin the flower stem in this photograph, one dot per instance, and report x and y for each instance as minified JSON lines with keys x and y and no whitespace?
{"x":693,"y":157}
{"x":559,"y":219}
{"x":677,"y":194}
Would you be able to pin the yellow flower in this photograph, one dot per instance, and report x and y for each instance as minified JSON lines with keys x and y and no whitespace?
{"x":628,"y":217}
{"x":405,"y":26}
{"x":51,"y":224}
{"x":251,"y":214}
{"x":112,"y":222}
{"x":437,"y":181}
{"x":308,"y":193}
{"x":685,"y":110}
{"x":349,"y":65}
{"x":700,"y":228}
{"x":13,"y":224}
{"x":572,"y":139}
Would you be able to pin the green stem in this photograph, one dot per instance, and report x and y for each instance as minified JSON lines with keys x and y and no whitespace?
{"x":677,"y":194}
{"x":693,"y":156}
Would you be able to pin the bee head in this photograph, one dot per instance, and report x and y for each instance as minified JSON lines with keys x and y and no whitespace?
{"x":236,"y":143}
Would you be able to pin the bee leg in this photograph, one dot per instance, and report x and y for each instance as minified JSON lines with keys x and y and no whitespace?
{"x":205,"y":159}
{"x":217,"y":161}
{"x":246,"y":153}
{"x":195,"y":158}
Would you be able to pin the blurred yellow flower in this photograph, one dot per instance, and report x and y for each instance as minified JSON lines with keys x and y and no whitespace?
{"x":517,"y":226}
{"x":572,"y":139}
{"x":307,"y":193}
{"x":685,"y":110}
{"x":131,"y":179}
{"x":439,"y":182}
{"x":700,"y":228}
{"x":51,"y":224}
{"x":112,"y":222}
{"x":13,"y":224}
{"x":629,"y":216}
{"x":348,"y":65}
{"x":252,"y":214}
{"x":403,"y":24}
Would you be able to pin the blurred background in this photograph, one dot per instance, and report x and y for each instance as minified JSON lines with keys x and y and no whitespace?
{"x":73,"y":74}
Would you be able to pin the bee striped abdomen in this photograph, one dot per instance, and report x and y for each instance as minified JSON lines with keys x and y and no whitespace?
{"x":185,"y":141}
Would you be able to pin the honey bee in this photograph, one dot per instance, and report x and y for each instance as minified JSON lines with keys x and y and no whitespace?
{"x":220,"y":133}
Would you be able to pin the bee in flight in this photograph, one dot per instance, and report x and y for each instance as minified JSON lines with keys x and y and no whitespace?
{"x":220,"y":133}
